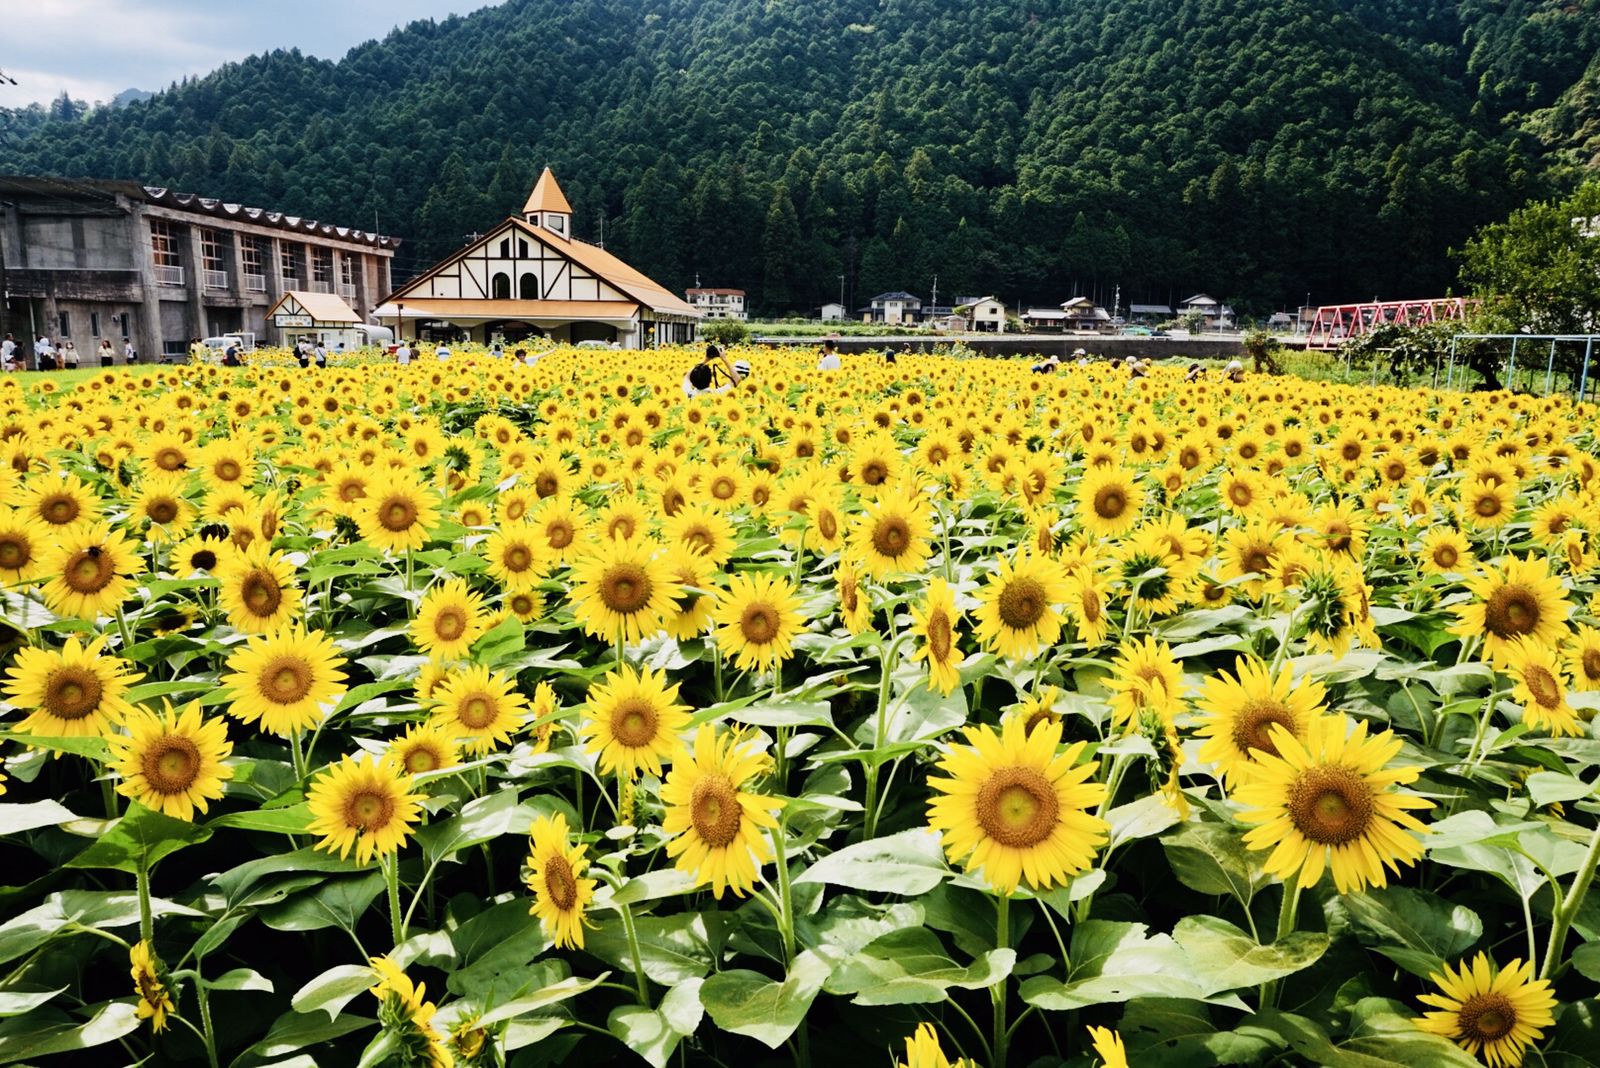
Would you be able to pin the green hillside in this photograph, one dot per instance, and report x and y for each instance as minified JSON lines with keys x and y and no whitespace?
{"x":1030,"y":148}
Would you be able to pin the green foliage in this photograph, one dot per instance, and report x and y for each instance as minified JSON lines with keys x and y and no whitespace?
{"x":1539,"y":270}
{"x":725,"y":331}
{"x":1021,"y":148}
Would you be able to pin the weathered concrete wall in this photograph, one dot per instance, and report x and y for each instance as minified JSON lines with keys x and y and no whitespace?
{"x":1155,"y":348}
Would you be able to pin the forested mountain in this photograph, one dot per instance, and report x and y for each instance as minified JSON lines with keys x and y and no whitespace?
{"x":1259,"y":150}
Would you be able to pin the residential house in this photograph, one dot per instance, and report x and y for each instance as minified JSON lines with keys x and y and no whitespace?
{"x":1045,"y":320}
{"x":1084,"y":314}
{"x":1217,"y":315}
{"x":983,"y":313}
{"x":833,"y":312}
{"x":894,"y":308}
{"x":718,"y":303}
{"x":1150,"y":314}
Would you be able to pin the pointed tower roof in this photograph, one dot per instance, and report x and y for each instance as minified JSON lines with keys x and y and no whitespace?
{"x":547,"y":196}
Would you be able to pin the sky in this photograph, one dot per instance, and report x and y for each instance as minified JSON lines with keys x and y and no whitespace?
{"x":94,"y":49}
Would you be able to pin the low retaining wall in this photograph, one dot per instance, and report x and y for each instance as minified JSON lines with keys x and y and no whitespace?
{"x":1155,"y":348}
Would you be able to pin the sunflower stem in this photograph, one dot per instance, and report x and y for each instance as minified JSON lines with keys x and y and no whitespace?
{"x":633,"y":951}
{"x":147,"y":923}
{"x":1287,"y":911}
{"x":208,"y":1031}
{"x":1002,"y":940}
{"x":297,"y":756}
{"x":1568,"y":910}
{"x":391,"y":876}
{"x":785,"y":894}
{"x":886,"y":652}
{"x":122,"y":628}
{"x":108,"y":794}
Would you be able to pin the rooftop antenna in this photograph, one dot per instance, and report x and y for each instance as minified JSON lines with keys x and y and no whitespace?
{"x":602,"y":242}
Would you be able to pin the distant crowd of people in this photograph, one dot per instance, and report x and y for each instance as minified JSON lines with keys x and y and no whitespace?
{"x":50,"y":354}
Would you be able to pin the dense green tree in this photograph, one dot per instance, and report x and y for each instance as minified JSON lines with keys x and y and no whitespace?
{"x":1539,"y":270}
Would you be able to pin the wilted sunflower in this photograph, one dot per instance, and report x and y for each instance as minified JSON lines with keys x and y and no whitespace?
{"x":1109,"y":501}
{"x":890,"y":536}
{"x":449,"y":619}
{"x":1019,"y":614}
{"x":363,"y":803}
{"x":397,"y":512}
{"x":516,"y":555}
{"x":155,"y":1000}
{"x":284,"y":681}
{"x":934,"y":621}
{"x":172,"y":762}
{"x":1238,"y":713}
{"x":757,"y":618}
{"x":1331,"y":802}
{"x":1012,"y":807}
{"x":622,"y":591}
{"x":634,"y":721}
{"x":1541,"y":689}
{"x":1495,"y":1012}
{"x":424,"y":747}
{"x":73,"y":692}
{"x":718,"y":828}
{"x":1522,"y":600}
{"x":555,"y":875}
{"x":480,"y":707}
{"x":258,"y":589}
{"x":24,"y":542}
{"x":90,"y":568}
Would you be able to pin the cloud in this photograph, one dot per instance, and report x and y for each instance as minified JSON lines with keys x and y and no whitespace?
{"x":94,"y":49}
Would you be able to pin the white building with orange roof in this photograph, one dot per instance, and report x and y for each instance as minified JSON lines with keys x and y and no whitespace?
{"x":530,"y":277}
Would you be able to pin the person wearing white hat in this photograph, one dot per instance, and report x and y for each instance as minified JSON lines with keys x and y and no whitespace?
{"x":1234,"y":372}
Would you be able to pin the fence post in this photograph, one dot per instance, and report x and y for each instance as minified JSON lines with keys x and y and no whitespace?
{"x":1450,"y":372}
{"x":1549,"y":369}
{"x":1583,"y":384}
{"x":1511,"y":368}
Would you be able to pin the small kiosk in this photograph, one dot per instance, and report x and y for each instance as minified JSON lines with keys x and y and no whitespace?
{"x":321,"y":316}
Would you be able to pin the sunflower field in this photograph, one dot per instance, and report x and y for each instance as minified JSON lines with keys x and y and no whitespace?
{"x":923,"y":713}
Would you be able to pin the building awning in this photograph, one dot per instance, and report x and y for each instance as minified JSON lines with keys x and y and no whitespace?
{"x":532,"y":311}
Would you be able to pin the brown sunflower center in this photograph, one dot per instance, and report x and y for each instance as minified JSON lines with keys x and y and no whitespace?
{"x":621,"y":526}
{"x":1591,"y":663}
{"x":171,"y":460}
{"x":1487,"y":505}
{"x":1257,"y":558}
{"x":634,"y":723}
{"x":625,"y":588}
{"x":1446,"y":555}
{"x":227,"y":470}
{"x":672,"y":502}
{"x":891,"y":536}
{"x":1486,"y":1017}
{"x":714,"y":810}
{"x":450,"y":624}
{"x":476,"y":711}
{"x":352,"y":491}
{"x":1018,"y":807}
{"x":421,"y":759}
{"x":72,"y":692}
{"x":874,"y":472}
{"x":397,"y":513}
{"x":203,"y":559}
{"x":1512,"y":610}
{"x":1544,"y":687}
{"x":89,"y":571}
{"x":1240,"y":494}
{"x":1338,"y":536}
{"x":369,"y":810}
{"x":939,"y":638}
{"x":1021,"y":603}
{"x":59,"y":508}
{"x":560,"y":885}
{"x":15,"y":552}
{"x":1330,"y":805}
{"x":171,"y":764}
{"x":162,"y":510}
{"x":260,"y":593}
{"x":700,"y":539}
{"x":559,"y":534}
{"x":1110,"y":502}
{"x":546,"y":484}
{"x":1089,"y":601}
{"x":759,"y":623}
{"x":849,"y":592}
{"x":827,"y":524}
{"x":1252,"y":726}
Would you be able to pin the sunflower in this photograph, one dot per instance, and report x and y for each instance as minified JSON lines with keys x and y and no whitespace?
{"x":424,"y":747}
{"x":622,"y":592}
{"x":1144,"y":675}
{"x":199,"y":554}
{"x":516,"y":555}
{"x":757,"y":618}
{"x":1239,"y":711}
{"x":623,"y":518}
{"x":1109,"y":501}
{"x":1331,"y":801}
{"x":146,"y":969}
{"x":90,"y":566}
{"x":922,"y":1051}
{"x":363,"y":803}
{"x":1018,"y":615}
{"x":1487,"y":505}
{"x":1341,"y":528}
{"x":407,"y":1019}
{"x":1582,"y":658}
{"x":24,"y":542}
{"x":449,"y":619}
{"x":891,"y":534}
{"x":855,"y":602}
{"x":480,"y":707}
{"x":934,"y":621}
{"x":1086,"y":606}
{"x":1445,"y":552}
{"x":1013,"y":807}
{"x":634,"y":721}
{"x":825,"y":520}
{"x":397,"y":512}
{"x":1248,"y":554}
{"x":702,"y":529}
{"x":1108,"y":1047}
{"x":160,"y":504}
{"x":1498,"y":1012}
{"x":1521,"y":600}
{"x":285,"y":680}
{"x":59,"y":501}
{"x":258,"y":589}
{"x":717,"y":828}
{"x":555,"y":875}
{"x":172,"y":762}
{"x":1541,"y":688}
{"x":560,"y":523}
{"x":76,"y":692}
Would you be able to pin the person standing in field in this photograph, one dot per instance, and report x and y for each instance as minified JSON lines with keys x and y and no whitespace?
{"x":105,"y":352}
{"x":8,"y":353}
{"x":69,"y":355}
{"x":129,"y":354}
{"x":830,"y":357}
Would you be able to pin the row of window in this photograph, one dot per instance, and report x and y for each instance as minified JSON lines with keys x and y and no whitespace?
{"x":527,"y":286}
{"x":119,"y":324}
{"x":166,"y":253}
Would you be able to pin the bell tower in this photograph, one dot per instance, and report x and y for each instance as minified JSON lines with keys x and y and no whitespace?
{"x":547,"y":207}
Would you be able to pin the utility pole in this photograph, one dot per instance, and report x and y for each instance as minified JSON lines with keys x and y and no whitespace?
{"x":934,"y":303}
{"x":842,"y":308}
{"x":1116,"y":302}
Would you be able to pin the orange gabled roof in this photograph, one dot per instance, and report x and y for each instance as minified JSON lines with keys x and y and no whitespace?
{"x":547,"y":196}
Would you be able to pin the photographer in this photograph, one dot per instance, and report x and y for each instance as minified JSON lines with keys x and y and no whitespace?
{"x":706,"y":377}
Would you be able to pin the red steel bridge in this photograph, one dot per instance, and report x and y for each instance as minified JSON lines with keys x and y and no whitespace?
{"x":1334,"y":324}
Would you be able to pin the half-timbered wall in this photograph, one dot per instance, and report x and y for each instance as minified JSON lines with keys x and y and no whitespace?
{"x":510,"y":265}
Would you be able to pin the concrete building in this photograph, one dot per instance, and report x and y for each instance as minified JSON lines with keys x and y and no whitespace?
{"x":90,"y":259}
{"x":832,"y":312}
{"x":983,"y":313}
{"x":718,"y":303}
{"x":529,"y":277}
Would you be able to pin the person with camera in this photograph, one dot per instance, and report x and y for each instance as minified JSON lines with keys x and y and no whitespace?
{"x":706,"y":377}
